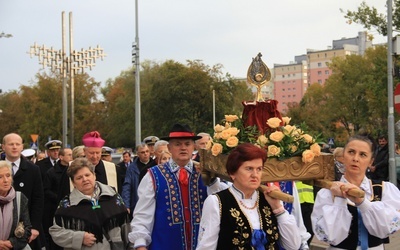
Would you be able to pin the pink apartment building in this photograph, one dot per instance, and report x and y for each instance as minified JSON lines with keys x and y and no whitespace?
{"x":290,"y":81}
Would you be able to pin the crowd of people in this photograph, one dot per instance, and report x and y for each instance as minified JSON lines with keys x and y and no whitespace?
{"x":156,"y":198}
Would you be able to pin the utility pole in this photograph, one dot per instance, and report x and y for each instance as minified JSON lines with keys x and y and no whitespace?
{"x":136,"y":62}
{"x":58,"y":60}
{"x":391,"y":139}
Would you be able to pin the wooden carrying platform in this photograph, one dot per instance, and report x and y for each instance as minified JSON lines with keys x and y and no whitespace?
{"x":292,"y":169}
{"x":320,"y":172}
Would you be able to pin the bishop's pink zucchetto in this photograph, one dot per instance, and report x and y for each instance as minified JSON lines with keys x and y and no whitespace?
{"x":93,"y":139}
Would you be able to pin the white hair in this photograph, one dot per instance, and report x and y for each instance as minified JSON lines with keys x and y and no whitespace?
{"x":160,"y":143}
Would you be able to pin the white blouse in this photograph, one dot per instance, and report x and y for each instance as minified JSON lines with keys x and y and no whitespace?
{"x":331,"y":219}
{"x":210,"y":222}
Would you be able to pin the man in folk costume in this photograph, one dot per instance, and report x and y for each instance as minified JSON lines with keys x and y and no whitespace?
{"x":171,"y":196}
{"x":106,"y":172}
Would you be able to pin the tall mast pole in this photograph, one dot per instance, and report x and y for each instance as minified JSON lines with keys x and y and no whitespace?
{"x":64,"y":84}
{"x":72,"y":85}
{"x":138,"y":128}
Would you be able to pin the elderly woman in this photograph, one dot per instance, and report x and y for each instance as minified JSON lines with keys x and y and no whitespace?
{"x":241,"y":217}
{"x":15,"y":226}
{"x":92,"y":216}
{"x":338,"y":160}
{"x":348,"y":222}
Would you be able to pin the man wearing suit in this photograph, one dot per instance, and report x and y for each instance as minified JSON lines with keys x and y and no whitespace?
{"x":123,"y":166}
{"x":27,"y":179}
{"x":52,"y":149}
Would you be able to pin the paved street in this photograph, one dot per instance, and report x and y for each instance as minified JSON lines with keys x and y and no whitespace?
{"x":394,"y":243}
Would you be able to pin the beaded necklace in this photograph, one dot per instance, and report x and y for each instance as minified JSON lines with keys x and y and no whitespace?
{"x":249,"y":208}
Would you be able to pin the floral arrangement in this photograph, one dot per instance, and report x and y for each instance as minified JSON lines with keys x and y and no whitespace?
{"x":280,"y":141}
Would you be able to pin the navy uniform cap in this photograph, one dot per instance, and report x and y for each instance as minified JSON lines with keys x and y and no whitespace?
{"x":28,"y":152}
{"x":53,"y":144}
{"x":150,"y":140}
{"x":106,"y":151}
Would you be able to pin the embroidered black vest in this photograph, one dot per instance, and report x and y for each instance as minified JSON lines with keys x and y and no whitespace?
{"x":352,"y":240}
{"x":235,"y":230}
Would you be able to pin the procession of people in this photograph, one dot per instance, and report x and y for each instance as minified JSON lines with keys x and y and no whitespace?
{"x":77,"y":199}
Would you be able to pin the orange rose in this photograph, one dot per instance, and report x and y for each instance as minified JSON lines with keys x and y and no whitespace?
{"x":225,"y":134}
{"x":286,"y":120}
{"x":231,"y":118}
{"x":273,"y":150}
{"x":297,"y":132}
{"x":316,"y":149}
{"x":287,"y":130}
{"x":233,"y":131}
{"x":276,"y":136}
{"x":262,"y":140}
{"x":274,"y":122}
{"x":218,"y":128}
{"x":293,"y":148}
{"x":232,"y":141}
{"x":216,"y":149}
{"x":308,"y":156}
{"x":308,"y":138}
{"x":217,"y":136}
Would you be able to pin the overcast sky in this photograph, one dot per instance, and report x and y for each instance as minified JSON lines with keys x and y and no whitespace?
{"x":229,"y":32}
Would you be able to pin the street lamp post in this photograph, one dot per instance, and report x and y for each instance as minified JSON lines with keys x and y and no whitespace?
{"x":2,"y":34}
{"x":58,"y":60}
{"x":136,"y":62}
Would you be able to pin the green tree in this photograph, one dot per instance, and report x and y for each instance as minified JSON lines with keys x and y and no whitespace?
{"x":89,"y":110}
{"x":183,"y":93}
{"x":171,"y":92}
{"x":353,"y":99}
{"x":11,"y":116}
{"x":42,"y":105}
{"x":119,"y":110}
{"x":369,"y":17}
{"x":37,"y":108}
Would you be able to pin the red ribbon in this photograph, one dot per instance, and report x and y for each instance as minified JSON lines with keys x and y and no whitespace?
{"x":180,"y":134}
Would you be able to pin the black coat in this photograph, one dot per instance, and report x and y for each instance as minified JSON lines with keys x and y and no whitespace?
{"x":29,"y":181}
{"x":381,"y":163}
{"x":51,"y":184}
{"x":121,"y":170}
{"x":44,"y":165}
